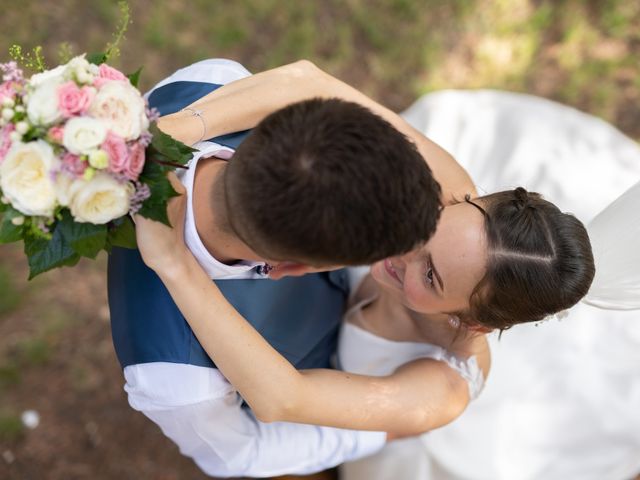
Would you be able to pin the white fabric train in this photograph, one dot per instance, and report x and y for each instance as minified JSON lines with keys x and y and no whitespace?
{"x":561,"y":402}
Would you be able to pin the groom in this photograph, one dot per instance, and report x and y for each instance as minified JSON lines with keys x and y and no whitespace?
{"x":316,"y":185}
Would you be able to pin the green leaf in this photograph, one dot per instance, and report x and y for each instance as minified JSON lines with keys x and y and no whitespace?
{"x":86,"y":239}
{"x":122,"y":234}
{"x":44,"y":255}
{"x":155,"y":207}
{"x":134,"y":77}
{"x":8,"y":231}
{"x":169,"y":147}
{"x":97,"y":58}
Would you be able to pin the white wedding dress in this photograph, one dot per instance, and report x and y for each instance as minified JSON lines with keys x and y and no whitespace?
{"x":563,"y":399}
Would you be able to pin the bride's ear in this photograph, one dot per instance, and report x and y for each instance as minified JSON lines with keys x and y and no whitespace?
{"x":290,"y":269}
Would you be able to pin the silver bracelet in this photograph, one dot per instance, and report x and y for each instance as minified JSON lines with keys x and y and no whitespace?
{"x":197,"y":113}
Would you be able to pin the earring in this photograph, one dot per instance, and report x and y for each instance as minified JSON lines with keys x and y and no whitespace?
{"x":454,"y":321}
{"x":264,"y":269}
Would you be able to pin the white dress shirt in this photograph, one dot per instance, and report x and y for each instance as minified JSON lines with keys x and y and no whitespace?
{"x":197,"y":407}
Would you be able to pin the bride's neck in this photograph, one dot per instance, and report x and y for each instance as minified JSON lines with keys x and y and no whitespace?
{"x":420,"y":327}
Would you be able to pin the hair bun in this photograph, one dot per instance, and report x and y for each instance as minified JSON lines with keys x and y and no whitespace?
{"x":521,"y":198}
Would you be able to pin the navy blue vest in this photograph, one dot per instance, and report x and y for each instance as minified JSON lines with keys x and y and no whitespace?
{"x":299,"y":316}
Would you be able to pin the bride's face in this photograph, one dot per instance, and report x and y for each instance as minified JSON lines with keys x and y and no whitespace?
{"x":440,"y":276}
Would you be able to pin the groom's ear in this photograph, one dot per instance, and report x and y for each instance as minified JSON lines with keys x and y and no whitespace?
{"x":290,"y":269}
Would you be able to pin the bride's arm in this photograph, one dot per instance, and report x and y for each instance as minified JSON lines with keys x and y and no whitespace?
{"x":242,"y":104}
{"x":420,"y":396}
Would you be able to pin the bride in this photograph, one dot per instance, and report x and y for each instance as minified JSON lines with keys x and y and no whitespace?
{"x":413,"y":351}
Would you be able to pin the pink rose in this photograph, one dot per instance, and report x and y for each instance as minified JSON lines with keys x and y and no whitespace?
{"x":73,"y":165}
{"x":117,"y":151}
{"x":107,"y":74}
{"x":5,"y":140}
{"x":136,"y":161}
{"x":73,"y":100}
{"x":56,"y":134}
{"x":7,"y":90}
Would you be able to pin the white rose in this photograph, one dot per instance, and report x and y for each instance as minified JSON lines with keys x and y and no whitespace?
{"x":100,"y":199}
{"x":58,"y":74}
{"x":42,"y":107}
{"x":62,"y":186}
{"x":26,"y":178}
{"x":83,"y":134}
{"x":121,"y":106}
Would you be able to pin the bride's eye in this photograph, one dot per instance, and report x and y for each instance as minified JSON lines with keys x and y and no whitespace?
{"x":429,"y":276}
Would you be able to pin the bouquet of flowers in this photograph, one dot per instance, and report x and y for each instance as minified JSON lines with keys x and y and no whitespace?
{"x":79,"y":152}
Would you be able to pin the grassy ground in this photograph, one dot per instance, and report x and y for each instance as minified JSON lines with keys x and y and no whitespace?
{"x":55,"y":350}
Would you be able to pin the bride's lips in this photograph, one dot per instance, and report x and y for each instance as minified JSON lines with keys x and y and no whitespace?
{"x":391,"y":271}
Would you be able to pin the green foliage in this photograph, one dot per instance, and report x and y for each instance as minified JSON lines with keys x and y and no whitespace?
{"x":9,"y":232}
{"x":134,"y":77}
{"x":34,"y":351}
{"x":165,"y":148}
{"x":85,"y":239}
{"x":122,"y":233}
{"x":9,"y":374}
{"x":11,"y":427}
{"x":9,"y":296}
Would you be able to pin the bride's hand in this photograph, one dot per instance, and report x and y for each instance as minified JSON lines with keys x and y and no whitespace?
{"x":163,"y":247}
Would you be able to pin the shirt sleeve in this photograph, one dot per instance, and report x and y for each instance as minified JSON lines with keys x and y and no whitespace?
{"x":225,"y":440}
{"x":201,"y":412}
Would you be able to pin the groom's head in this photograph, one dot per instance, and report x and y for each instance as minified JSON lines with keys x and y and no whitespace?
{"x":327,"y":182}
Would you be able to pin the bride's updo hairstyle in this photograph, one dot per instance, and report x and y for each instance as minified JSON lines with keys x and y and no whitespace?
{"x":539,"y":261}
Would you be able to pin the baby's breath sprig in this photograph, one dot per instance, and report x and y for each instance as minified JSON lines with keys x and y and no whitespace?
{"x":113,"y":48}
{"x":65,"y":52}
{"x":33,"y":59}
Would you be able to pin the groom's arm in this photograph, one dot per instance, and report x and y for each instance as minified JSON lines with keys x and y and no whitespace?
{"x":224,"y":438}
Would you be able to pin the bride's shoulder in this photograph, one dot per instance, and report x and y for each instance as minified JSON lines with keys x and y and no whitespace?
{"x":477,"y":346}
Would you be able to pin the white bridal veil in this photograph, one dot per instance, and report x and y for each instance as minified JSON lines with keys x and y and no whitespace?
{"x":562,"y":401}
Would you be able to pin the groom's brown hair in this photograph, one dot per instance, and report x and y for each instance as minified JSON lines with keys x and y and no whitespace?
{"x":328,"y":182}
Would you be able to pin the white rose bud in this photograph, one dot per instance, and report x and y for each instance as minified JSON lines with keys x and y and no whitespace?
{"x":22,"y":127}
{"x":19,"y":108}
{"x":7,"y":113}
{"x":98,"y":159}
{"x":83,"y":77}
{"x":42,"y":107}
{"x":100,"y":200}
{"x":56,"y":74}
{"x":8,"y":102}
{"x":83,"y":134}
{"x":15,"y":136}
{"x":25,"y":177}
{"x":122,"y":108}
{"x":17,"y":221}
